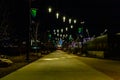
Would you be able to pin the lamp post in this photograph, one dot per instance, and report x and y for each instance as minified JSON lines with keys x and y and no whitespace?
{"x":82,"y":23}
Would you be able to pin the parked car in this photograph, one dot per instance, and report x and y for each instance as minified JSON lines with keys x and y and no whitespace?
{"x":5,"y":62}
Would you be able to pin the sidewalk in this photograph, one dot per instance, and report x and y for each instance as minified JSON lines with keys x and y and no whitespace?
{"x":57,"y":66}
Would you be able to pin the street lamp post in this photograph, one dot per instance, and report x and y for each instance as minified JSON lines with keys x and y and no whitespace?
{"x":82,"y":23}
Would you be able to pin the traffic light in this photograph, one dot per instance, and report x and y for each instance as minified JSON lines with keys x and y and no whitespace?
{"x":49,"y":36}
{"x":33,"y":12}
{"x":70,"y":38}
{"x":79,"y":30}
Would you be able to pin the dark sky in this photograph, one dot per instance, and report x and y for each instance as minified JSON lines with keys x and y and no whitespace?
{"x":97,"y":14}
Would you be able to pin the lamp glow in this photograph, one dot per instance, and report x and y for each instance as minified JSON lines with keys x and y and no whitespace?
{"x":66,"y":29}
{"x":57,"y":30}
{"x":49,"y":9}
{"x":62,"y":30}
{"x":75,"y":21}
{"x":71,"y":26}
{"x":70,"y":21}
{"x":64,"y":18}
{"x":57,"y":15}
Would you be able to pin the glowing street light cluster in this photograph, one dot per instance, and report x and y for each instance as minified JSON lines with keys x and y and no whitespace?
{"x":63,"y":18}
{"x":71,"y":23}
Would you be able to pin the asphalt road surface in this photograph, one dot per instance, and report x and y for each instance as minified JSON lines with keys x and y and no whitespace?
{"x":57,"y":65}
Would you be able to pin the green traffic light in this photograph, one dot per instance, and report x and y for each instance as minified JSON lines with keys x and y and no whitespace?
{"x":49,"y":35}
{"x":70,"y":37}
{"x":79,"y":30}
{"x":33,"y":12}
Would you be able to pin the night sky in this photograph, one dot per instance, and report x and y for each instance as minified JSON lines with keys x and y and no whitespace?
{"x":97,"y":14}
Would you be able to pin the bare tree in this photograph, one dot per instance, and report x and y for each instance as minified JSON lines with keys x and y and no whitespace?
{"x":3,"y":20}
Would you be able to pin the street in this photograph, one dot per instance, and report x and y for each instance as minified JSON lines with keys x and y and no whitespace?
{"x":59,"y":65}
{"x":86,"y":34}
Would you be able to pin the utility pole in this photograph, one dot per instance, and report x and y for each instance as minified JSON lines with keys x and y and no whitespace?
{"x":82,"y":23}
{"x":36,"y":32}
{"x":29,"y":27}
{"x":36,"y":36}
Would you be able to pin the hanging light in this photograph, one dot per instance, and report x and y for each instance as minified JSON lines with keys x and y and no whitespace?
{"x":49,"y":9}
{"x":54,"y":30}
{"x":66,"y":29}
{"x":66,"y":35}
{"x":57,"y":30}
{"x":70,"y":21}
{"x":64,"y":18}
{"x":63,"y":35}
{"x":57,"y":15}
{"x":82,"y":22}
{"x":75,"y":21}
{"x":71,"y":26}
{"x":58,"y":34}
{"x":54,"y":33}
{"x":62,"y":30}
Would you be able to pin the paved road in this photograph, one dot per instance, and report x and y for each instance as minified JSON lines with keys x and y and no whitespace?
{"x":107,"y":66}
{"x":57,"y":66}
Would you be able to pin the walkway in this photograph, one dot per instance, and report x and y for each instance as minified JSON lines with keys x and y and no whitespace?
{"x":57,"y":66}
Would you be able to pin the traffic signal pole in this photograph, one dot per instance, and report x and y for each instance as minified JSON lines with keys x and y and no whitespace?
{"x":28,"y":38}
